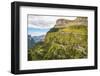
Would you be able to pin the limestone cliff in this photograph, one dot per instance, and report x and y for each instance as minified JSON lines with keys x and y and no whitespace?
{"x":66,"y":22}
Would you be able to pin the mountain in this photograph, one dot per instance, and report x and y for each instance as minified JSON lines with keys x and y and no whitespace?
{"x":31,"y":41}
{"x":66,"y":40}
{"x":38,"y":38}
{"x":65,"y":23}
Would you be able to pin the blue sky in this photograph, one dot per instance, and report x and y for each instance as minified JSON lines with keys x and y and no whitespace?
{"x":40,"y":25}
{"x":37,"y":31}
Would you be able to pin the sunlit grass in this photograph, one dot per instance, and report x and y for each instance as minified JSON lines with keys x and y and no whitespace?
{"x":61,"y":43}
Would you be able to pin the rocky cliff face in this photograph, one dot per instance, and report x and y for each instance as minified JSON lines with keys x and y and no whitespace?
{"x":77,"y":21}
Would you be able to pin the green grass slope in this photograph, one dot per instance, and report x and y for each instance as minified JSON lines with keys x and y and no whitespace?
{"x":62,"y":43}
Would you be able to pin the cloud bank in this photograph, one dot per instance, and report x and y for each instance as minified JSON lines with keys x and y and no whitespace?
{"x":44,"y":22}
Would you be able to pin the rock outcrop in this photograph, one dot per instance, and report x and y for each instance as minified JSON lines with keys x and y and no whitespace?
{"x":77,"y":21}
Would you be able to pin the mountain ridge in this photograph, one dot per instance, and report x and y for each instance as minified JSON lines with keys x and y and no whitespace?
{"x":65,"y":22}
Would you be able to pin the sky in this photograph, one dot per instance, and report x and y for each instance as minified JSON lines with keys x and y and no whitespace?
{"x":41,"y":24}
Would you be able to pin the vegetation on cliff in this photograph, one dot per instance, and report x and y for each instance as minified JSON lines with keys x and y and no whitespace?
{"x":62,"y":43}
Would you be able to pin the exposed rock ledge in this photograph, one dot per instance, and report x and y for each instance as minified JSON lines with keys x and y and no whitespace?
{"x":77,"y":21}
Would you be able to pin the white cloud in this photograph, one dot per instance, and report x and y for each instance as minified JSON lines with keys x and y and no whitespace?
{"x":36,"y":33}
{"x":44,"y":22}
